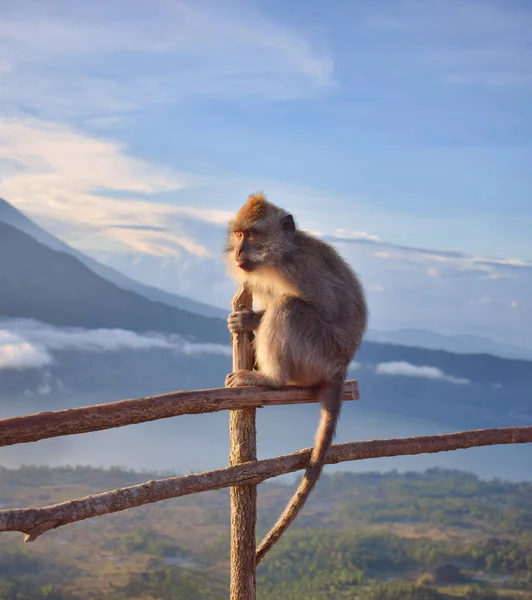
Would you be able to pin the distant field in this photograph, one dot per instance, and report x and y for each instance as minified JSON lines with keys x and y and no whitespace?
{"x":362,"y":536}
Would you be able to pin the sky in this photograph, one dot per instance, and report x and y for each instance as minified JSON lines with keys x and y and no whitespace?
{"x":400,"y":131}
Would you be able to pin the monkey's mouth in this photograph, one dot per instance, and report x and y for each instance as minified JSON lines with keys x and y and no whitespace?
{"x":245,"y":265}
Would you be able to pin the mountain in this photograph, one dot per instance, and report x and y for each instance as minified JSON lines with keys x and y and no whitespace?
{"x":37,"y":282}
{"x":461,"y":344}
{"x":10,"y":215}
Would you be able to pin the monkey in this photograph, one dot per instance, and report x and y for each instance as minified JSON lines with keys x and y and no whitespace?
{"x":313,"y":319}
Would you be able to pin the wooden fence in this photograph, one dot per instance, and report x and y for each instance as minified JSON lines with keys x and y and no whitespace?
{"x":242,"y":476}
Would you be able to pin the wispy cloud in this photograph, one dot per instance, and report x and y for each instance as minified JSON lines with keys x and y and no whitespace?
{"x":68,"y":180}
{"x":181,"y":49}
{"x":443,"y":291}
{"x":448,"y":259}
{"x":473,"y":42}
{"x":409,"y":370}
{"x":356,"y":235}
{"x":27,"y":344}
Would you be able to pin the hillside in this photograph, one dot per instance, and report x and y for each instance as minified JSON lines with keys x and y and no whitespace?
{"x":40,"y":283}
{"x":437,"y":535}
{"x":10,"y":215}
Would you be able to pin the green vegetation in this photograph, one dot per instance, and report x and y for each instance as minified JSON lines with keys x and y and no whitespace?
{"x":171,"y":583}
{"x":438,"y":535}
{"x":338,"y":561}
{"x":27,"y":577}
{"x":149,"y":541}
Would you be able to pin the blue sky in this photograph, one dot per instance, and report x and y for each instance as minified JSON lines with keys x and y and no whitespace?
{"x":133,"y":129}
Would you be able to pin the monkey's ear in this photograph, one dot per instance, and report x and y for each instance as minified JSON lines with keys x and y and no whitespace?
{"x":287,"y":224}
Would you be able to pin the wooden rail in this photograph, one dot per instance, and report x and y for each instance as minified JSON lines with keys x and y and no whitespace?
{"x":33,"y":522}
{"x":43,"y":425}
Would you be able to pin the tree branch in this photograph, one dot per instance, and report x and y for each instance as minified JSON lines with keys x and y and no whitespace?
{"x":40,"y":426}
{"x":35,"y":521}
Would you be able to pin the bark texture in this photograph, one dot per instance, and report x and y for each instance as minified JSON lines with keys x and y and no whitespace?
{"x":243,"y":449}
{"x":40,"y":426}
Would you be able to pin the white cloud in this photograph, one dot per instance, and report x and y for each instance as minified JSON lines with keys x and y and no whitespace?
{"x":16,"y":352}
{"x":512,"y":262}
{"x":43,"y":389}
{"x":409,"y":370}
{"x":26,"y":344}
{"x":181,"y":49}
{"x":59,"y":176}
{"x":357,"y":235}
{"x":66,"y":158}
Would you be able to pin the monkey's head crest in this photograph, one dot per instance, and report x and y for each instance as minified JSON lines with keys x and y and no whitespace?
{"x":258,"y":213}
{"x":256,"y":208}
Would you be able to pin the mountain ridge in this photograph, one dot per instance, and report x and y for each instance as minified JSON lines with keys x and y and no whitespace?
{"x":62,"y":291}
{"x":12,"y":216}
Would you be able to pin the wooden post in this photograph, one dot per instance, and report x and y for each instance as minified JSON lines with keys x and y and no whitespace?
{"x":243,"y":448}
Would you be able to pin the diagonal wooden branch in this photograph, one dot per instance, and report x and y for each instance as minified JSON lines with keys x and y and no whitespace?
{"x":33,"y":522}
{"x":40,"y":426}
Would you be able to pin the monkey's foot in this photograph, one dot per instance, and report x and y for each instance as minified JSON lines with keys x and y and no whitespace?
{"x":243,"y":321}
{"x":245,"y":378}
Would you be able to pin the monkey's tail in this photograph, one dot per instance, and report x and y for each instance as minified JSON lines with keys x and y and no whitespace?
{"x":331,"y":399}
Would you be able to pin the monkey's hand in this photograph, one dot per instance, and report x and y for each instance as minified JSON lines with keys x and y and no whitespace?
{"x":245,"y":378}
{"x":244,"y":321}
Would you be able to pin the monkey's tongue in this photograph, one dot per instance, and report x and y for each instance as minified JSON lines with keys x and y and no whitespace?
{"x":240,"y":263}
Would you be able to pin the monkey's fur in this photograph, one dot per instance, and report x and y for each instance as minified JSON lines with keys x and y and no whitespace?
{"x":313,"y":320}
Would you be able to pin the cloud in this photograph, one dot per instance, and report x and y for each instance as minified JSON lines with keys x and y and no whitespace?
{"x":28,"y":344}
{"x":181,"y":50}
{"x":506,"y":262}
{"x":443,"y":291}
{"x":67,"y":179}
{"x":16,"y":352}
{"x":357,"y":235}
{"x":491,"y":267}
{"x":43,"y":389}
{"x":409,"y":370}
{"x":473,"y":43}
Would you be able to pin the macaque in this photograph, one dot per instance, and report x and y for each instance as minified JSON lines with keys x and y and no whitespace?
{"x":313,"y":318}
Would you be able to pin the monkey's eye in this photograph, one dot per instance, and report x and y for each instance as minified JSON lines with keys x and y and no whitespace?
{"x":252,"y":235}
{"x":239,"y":235}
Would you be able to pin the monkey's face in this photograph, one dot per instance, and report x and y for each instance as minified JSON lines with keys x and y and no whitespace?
{"x":248,"y":250}
{"x":260,"y":235}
